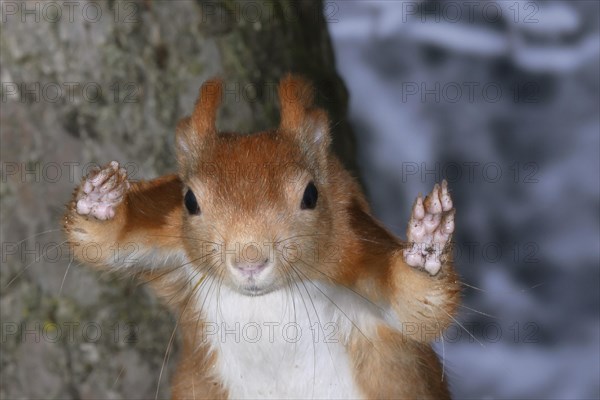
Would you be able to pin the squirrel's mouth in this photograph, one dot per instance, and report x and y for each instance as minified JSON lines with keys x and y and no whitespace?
{"x":253,"y":278}
{"x":253,"y":291}
{"x":251,"y":287}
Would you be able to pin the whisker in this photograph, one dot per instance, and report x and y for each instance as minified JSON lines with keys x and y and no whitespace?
{"x":37,"y":234}
{"x":118,"y":376}
{"x":342,"y":311}
{"x":218,"y":233}
{"x":310,"y":322}
{"x":372,"y":241}
{"x":289,"y":279}
{"x":200,"y":286}
{"x":29,"y":265}
{"x":537,"y":285}
{"x":461,"y":325}
{"x":209,"y":287}
{"x":191,"y":278}
{"x":175,"y":269}
{"x":443,"y":342}
{"x":64,"y":278}
{"x":219,"y":284}
{"x":472,"y":287}
{"x":213,"y":279}
{"x":479,"y":312}
{"x":203,"y":240}
{"x":297,"y":236}
{"x":198,"y":271}
{"x":169,"y":345}
{"x":339,"y":283}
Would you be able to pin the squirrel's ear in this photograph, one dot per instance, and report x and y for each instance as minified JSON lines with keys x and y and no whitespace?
{"x":299,"y":118}
{"x":192,"y":131}
{"x":204,"y":117}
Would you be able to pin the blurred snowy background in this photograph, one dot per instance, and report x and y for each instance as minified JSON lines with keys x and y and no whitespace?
{"x":502,"y":99}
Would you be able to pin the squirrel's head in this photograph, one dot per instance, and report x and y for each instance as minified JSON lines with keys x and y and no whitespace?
{"x":256,"y":207}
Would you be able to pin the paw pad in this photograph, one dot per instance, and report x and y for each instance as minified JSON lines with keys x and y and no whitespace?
{"x":102,"y":191}
{"x":430,"y":229}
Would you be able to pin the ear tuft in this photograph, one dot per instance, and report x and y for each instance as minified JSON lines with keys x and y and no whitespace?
{"x":192,"y":131}
{"x":204,"y":117}
{"x":296,"y":95}
{"x":299,"y":117}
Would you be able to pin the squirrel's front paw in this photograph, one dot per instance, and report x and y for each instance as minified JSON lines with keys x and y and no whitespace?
{"x":430,"y":229}
{"x":102,"y":191}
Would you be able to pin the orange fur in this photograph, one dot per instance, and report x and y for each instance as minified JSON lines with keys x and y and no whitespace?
{"x":234,"y":177}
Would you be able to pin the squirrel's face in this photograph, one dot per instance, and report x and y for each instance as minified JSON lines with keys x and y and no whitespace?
{"x":256,"y":209}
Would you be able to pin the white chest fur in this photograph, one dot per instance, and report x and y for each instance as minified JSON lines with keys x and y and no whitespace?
{"x":288,"y":343}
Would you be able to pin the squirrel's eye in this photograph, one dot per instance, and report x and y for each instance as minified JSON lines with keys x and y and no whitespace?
{"x":309,"y":199}
{"x":190,"y":203}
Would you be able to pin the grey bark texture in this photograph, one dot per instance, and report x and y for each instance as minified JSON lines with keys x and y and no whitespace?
{"x":90,"y":82}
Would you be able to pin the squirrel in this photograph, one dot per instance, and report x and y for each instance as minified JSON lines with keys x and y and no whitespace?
{"x":283,"y":282}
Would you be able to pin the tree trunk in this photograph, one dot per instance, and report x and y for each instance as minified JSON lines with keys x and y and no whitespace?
{"x":90,"y":82}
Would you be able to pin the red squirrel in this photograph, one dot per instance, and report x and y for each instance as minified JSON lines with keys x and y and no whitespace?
{"x":283,"y":282}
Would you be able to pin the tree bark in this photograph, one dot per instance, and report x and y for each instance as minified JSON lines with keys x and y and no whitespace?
{"x":98,"y":81}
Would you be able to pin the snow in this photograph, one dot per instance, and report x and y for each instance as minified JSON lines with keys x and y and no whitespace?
{"x":551,"y":295}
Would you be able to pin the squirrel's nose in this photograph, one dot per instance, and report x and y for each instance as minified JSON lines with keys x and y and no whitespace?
{"x":251,"y":267}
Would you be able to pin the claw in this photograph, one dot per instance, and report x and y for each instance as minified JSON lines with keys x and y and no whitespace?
{"x":432,"y":201}
{"x":418,"y":209}
{"x":109,"y":184}
{"x":114,"y":195}
{"x":448,"y":223}
{"x":432,"y":221}
{"x":430,"y":228}
{"x":101,"y":177}
{"x":445,"y":198}
{"x":88,"y":187}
